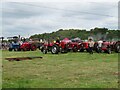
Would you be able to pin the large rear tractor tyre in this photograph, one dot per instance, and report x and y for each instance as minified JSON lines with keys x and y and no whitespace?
{"x":55,"y":49}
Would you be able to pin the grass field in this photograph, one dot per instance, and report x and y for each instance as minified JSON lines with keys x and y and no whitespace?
{"x":71,"y":70}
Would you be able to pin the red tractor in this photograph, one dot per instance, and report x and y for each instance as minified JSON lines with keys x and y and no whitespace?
{"x":46,"y":47}
{"x":55,"y":48}
{"x":27,"y":46}
{"x":106,"y":47}
{"x":30,"y":45}
{"x":116,"y":46}
{"x":73,"y":46}
{"x":84,"y":46}
{"x":64,"y":46}
{"x":23,"y":44}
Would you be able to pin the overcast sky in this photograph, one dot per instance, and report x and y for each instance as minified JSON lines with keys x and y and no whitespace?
{"x":29,"y":18}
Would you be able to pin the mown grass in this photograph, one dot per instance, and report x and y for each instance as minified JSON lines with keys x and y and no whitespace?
{"x":70,"y":70}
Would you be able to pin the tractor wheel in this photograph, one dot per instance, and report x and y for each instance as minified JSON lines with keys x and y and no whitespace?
{"x":75,"y":49}
{"x":117,"y":48}
{"x":44,"y":51}
{"x":102,"y":51}
{"x":33,"y":47}
{"x":39,"y":48}
{"x":87,"y":49}
{"x":55,"y":49}
{"x":18,"y":49}
{"x":65,"y":50}
{"x":15,"y":49}
{"x":109,"y":51}
{"x":81,"y":50}
{"x":98,"y":50}
{"x":24,"y":49}
{"x":21,"y":49}
{"x":10,"y":49}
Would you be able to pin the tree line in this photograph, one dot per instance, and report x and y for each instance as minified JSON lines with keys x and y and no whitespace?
{"x":96,"y":33}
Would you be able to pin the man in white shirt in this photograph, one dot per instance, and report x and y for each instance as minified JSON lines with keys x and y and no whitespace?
{"x":100,"y":43}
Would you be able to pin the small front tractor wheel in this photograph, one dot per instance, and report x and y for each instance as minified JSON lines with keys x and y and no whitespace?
{"x":18,"y":49}
{"x":65,"y":49}
{"x":15,"y":49}
{"x":117,"y":49}
{"x":44,"y":51}
{"x":81,"y":50}
{"x":10,"y":49}
{"x":75,"y":49}
{"x":33,"y":47}
{"x":98,"y":50}
{"x":24,"y":49}
{"x":109,"y":51}
{"x":87,"y":50}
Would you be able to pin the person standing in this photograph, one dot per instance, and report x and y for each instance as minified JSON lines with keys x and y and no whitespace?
{"x":100,"y":42}
{"x":90,"y":45}
{"x":58,"y":40}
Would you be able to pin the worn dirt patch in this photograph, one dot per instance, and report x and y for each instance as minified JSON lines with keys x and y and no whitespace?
{"x":22,"y":58}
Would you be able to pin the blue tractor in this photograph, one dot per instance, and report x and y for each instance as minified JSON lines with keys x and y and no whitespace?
{"x":14,"y":43}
